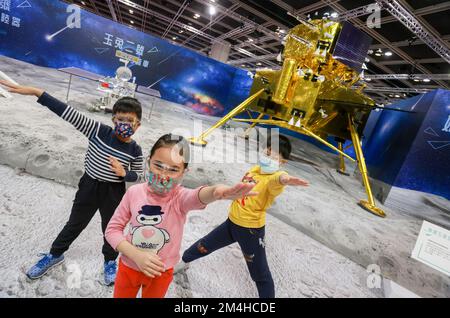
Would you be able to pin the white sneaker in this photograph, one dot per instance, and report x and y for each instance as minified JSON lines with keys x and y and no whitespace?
{"x":180,"y":267}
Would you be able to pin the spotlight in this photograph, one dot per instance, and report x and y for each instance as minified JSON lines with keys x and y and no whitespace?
{"x":212,"y":10}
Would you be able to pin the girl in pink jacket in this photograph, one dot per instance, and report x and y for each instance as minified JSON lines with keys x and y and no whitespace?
{"x":156,"y":213}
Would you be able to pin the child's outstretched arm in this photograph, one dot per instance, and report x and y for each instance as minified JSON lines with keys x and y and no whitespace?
{"x":210,"y":194}
{"x":286,"y":179}
{"x":82,"y":123}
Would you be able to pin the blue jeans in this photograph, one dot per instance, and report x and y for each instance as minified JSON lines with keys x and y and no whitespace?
{"x":252,"y":245}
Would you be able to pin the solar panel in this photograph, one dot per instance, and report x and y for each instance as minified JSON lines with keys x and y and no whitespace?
{"x":352,"y":46}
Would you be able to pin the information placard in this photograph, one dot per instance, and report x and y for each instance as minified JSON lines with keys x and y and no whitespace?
{"x":433,"y":247}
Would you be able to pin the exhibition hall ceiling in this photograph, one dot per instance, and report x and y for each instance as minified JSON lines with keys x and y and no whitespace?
{"x":255,"y":28}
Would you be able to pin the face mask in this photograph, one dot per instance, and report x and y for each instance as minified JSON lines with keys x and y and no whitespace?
{"x":159,"y":184}
{"x":124,"y":130}
{"x":268,"y":165}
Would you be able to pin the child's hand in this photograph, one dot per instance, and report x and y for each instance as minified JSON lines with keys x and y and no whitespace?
{"x":22,"y":90}
{"x":293,"y":181}
{"x":117,"y":167}
{"x":149,"y":263}
{"x":238,"y":191}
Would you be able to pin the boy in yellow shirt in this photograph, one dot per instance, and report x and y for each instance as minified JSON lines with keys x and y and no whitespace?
{"x":247,"y":217}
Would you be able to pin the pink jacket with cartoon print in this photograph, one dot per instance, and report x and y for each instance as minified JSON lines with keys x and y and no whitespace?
{"x":155,"y":222}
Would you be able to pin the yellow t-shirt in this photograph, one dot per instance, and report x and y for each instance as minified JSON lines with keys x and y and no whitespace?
{"x":251,"y":211}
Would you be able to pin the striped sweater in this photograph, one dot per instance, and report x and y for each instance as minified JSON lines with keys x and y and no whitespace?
{"x":103,"y":143}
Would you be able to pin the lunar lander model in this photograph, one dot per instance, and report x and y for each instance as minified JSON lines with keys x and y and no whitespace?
{"x":312,"y":94}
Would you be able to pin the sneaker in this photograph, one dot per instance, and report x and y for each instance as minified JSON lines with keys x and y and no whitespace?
{"x":181,"y":267}
{"x":47,"y":262}
{"x":110,"y":269}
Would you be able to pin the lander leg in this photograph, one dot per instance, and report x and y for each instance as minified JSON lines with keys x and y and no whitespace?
{"x":341,"y":168}
{"x":249,"y":129}
{"x":368,"y":205}
{"x":200,"y":140}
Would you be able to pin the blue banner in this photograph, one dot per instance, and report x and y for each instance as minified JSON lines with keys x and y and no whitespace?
{"x":46,"y":33}
{"x":412,"y":150}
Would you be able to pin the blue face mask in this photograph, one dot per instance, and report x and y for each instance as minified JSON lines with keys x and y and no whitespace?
{"x":159,"y":184}
{"x":124,"y":130}
{"x":268,"y":165}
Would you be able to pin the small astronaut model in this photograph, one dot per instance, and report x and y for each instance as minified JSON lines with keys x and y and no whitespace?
{"x":147,"y":235}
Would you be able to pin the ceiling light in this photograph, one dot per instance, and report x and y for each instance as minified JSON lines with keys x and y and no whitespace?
{"x":397,"y":96}
{"x":334,"y":15}
{"x":388,"y":53}
{"x":259,"y":63}
{"x":416,"y":80}
{"x":174,"y":38}
{"x":83,"y":3}
{"x":212,"y":10}
{"x":131,"y":21}
{"x":426,"y":80}
{"x":131,"y":11}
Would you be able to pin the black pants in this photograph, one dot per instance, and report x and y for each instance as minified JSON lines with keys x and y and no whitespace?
{"x":252,"y":245}
{"x":92,"y":195}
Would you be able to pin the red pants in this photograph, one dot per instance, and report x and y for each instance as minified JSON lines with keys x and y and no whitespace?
{"x":129,"y":281}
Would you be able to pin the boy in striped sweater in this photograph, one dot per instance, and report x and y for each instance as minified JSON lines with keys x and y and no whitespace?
{"x":112,"y":159}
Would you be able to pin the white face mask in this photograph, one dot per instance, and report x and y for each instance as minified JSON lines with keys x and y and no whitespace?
{"x":268,"y":165}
